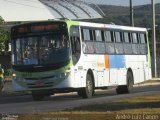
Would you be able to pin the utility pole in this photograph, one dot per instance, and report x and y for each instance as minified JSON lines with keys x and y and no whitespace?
{"x":131,"y":14}
{"x":154,"y":61}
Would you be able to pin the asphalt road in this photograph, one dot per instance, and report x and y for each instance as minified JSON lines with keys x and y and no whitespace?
{"x":20,"y":104}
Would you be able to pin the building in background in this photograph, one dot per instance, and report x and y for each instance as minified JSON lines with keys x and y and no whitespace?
{"x":36,"y":10}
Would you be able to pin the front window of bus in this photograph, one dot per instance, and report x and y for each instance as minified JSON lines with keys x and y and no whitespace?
{"x":43,"y":49}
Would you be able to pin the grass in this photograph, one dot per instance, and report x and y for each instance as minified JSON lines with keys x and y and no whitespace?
{"x":68,"y":116}
{"x":146,"y":104}
{"x":129,"y":108}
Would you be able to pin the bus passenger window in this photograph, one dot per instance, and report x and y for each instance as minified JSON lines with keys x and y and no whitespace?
{"x":126,"y":37}
{"x":118,"y":37}
{"x":98,"y":35}
{"x":118,"y":44}
{"x":134,"y":38}
{"x":142,"y":38}
{"x":127,"y":43}
{"x":108,"y":36}
{"x":86,"y":34}
{"x":135,"y":45}
{"x":143,"y":45}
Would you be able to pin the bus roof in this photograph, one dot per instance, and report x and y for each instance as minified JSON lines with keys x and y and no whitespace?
{"x":90,"y":24}
{"x":112,"y":26}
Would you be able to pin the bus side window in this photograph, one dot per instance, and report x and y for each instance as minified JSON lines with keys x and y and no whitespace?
{"x":118,"y":43}
{"x":134,"y":38}
{"x":86,"y":34}
{"x":98,"y":35}
{"x":118,"y":37}
{"x":109,"y":39}
{"x":89,"y":36}
{"x":127,"y":43}
{"x":99,"y":45}
{"x":126,"y":37}
{"x":142,"y":38}
{"x":135,"y":43}
{"x":143,"y":45}
{"x":108,"y":36}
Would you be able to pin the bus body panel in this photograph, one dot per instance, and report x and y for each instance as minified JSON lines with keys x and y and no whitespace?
{"x":139,"y":66}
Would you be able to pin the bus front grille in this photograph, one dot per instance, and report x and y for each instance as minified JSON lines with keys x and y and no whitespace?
{"x":42,"y":78}
{"x":40,"y":84}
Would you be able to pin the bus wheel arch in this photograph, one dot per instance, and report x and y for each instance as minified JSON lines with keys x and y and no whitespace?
{"x":88,"y":90}
{"x":122,"y":89}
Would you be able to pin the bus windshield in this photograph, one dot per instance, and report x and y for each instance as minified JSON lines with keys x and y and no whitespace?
{"x":41,"y":50}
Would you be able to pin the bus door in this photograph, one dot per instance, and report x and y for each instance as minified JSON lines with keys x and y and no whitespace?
{"x":102,"y":78}
{"x":75,"y":44}
{"x":76,"y":52}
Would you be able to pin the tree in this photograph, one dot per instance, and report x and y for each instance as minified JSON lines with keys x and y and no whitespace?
{"x":4,"y":38}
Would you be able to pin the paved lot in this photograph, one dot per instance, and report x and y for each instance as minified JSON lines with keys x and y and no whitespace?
{"x":23,"y":103}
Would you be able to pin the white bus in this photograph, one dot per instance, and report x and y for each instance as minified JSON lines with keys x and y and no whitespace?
{"x":66,"y":56}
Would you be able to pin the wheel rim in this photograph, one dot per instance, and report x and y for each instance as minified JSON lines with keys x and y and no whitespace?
{"x":89,"y":87}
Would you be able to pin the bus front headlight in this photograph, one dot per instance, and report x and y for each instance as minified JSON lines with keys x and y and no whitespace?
{"x":13,"y":75}
{"x":61,"y":75}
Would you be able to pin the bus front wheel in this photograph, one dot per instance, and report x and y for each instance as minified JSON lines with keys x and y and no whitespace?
{"x":88,"y":91}
{"x":122,"y":89}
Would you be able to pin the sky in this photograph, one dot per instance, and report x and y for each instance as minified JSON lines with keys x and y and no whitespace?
{"x":122,"y":2}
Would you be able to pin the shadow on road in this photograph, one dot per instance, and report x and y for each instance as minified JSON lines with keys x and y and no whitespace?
{"x":26,"y":98}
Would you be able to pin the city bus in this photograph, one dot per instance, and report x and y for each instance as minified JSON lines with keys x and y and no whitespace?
{"x":71,"y":56}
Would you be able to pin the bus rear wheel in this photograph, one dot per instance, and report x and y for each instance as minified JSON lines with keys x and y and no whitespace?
{"x":37,"y":96}
{"x":88,"y":91}
{"x":123,"y":89}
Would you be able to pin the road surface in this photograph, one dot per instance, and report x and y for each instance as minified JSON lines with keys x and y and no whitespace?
{"x":21,"y":104}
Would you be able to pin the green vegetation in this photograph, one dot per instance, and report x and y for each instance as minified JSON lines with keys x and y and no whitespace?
{"x":142,"y":104}
{"x":121,"y":15}
{"x":4,"y":38}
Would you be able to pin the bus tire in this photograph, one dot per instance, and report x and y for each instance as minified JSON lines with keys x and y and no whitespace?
{"x":123,"y":89}
{"x":37,"y":96}
{"x":88,"y":91}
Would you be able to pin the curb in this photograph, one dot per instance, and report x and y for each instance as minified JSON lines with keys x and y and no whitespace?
{"x":147,"y":84}
{"x":155,"y":79}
